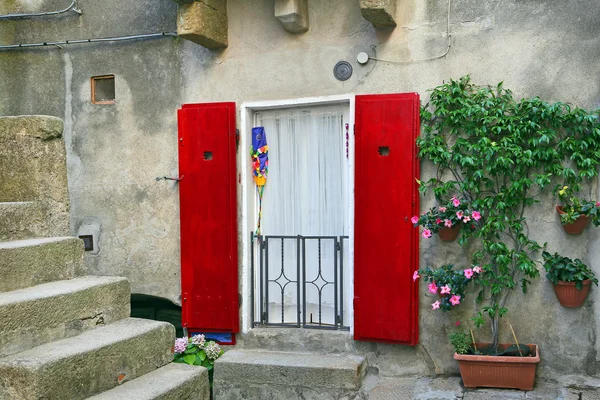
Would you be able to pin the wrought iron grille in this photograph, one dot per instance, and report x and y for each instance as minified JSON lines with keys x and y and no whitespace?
{"x":298,"y":281}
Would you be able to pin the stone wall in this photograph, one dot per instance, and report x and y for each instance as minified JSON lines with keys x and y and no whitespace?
{"x":33,"y":179}
{"x":115,"y":152}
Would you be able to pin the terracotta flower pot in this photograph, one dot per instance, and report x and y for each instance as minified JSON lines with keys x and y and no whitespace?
{"x":499,"y":371}
{"x":449,"y":234}
{"x":576,"y":227}
{"x":569,"y":296}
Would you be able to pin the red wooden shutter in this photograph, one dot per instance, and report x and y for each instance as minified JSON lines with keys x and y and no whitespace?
{"x":386,"y":246}
{"x":207,"y":196}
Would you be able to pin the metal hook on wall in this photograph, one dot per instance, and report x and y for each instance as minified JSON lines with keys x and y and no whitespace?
{"x":166,"y":178}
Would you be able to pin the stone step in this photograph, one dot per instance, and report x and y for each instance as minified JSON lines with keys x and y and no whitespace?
{"x":254,"y":374}
{"x":21,"y":220}
{"x":171,"y":382}
{"x":87,"y":364}
{"x":30,"y":262}
{"x":57,"y":310}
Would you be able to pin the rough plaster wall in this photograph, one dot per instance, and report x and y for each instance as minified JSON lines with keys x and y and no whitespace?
{"x":545,"y":48}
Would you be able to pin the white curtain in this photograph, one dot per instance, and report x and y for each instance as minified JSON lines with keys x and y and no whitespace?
{"x":306,"y":194}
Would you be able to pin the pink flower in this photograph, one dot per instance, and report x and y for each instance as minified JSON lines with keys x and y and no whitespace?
{"x":448,"y":223}
{"x":416,"y":276}
{"x":437,"y":221}
{"x":476,"y":215}
{"x":457,"y":323}
{"x":468,"y":273}
{"x":455,"y":300}
{"x":426,"y":233}
{"x":443,"y":209}
{"x":455,"y":201}
{"x":445,"y":289}
{"x":414,"y":219}
{"x":460,"y":214}
{"x":477,"y":270}
{"x":435,"y":305}
{"x":180,"y":345}
{"x":432,"y":287}
{"x":466,"y":219}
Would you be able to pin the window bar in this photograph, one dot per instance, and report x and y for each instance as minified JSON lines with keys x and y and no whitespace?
{"x":298,"y":278}
{"x":253,"y":278}
{"x":342,"y":281}
{"x":283,"y":287}
{"x":267,"y":279}
{"x":262,"y":269}
{"x":321,"y":288}
{"x":335,"y":282}
{"x":304,"y":282}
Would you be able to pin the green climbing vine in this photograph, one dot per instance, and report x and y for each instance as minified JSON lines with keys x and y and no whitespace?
{"x":499,"y":154}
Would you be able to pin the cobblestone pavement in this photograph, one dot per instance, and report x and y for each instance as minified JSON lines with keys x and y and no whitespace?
{"x":450,"y":388}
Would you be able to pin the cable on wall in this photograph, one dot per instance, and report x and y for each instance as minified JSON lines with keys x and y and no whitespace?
{"x":82,"y":41}
{"x":429,"y":58}
{"x":73,"y":7}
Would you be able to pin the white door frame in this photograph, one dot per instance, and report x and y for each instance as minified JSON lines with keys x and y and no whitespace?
{"x":247,"y":189}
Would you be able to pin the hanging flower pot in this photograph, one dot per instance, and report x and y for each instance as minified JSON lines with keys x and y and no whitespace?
{"x":569,"y":296}
{"x":576,"y":227}
{"x":449,"y":234}
{"x":571,"y":278}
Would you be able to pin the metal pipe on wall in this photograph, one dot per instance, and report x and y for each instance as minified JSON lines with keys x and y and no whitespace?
{"x":72,"y":7}
{"x":80,"y":41}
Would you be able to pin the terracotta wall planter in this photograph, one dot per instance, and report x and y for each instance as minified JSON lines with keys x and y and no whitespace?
{"x":576,"y":227}
{"x":569,"y":296}
{"x":449,"y":234}
{"x":499,"y":372}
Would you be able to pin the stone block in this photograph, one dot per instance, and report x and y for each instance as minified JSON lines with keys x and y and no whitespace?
{"x":87,"y":364}
{"x":293,"y":15}
{"x":204,"y":22}
{"x":381,"y":13}
{"x":33,"y":167}
{"x":257,"y":374}
{"x":57,"y":310}
{"x":171,"y":382}
{"x":22,"y":220}
{"x":30,"y":262}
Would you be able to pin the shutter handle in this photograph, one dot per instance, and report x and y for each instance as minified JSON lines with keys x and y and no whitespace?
{"x":405,"y":219}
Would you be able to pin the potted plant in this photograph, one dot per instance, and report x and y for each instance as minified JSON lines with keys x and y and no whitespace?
{"x":576,"y":213}
{"x":196,"y":350}
{"x":447,"y":220}
{"x":571,"y":279}
{"x":448,"y":283}
{"x":478,"y":368}
{"x":499,"y":153}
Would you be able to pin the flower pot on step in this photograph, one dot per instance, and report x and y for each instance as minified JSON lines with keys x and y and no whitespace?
{"x":499,"y":371}
{"x":569,"y":296}
{"x":576,"y":227}
{"x":449,"y":234}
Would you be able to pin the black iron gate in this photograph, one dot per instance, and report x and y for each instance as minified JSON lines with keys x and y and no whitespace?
{"x":298,"y":281}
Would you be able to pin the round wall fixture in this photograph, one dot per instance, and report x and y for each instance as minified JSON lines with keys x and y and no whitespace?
{"x":362,"y":58}
{"x":342,"y":71}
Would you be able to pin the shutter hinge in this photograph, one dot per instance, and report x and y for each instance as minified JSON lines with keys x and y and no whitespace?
{"x":237,"y":140}
{"x":337,"y":246}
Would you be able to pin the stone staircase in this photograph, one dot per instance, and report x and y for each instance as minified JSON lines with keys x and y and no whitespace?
{"x":272,"y":375}
{"x":65,"y":335}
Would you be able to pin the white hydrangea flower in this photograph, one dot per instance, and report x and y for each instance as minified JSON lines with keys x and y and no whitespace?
{"x":199,"y":340}
{"x":213,"y":350}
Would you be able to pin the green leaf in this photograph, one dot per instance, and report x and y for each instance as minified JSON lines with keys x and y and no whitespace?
{"x":189,"y":359}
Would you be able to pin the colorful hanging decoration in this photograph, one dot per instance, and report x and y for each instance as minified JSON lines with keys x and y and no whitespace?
{"x":260,"y":165}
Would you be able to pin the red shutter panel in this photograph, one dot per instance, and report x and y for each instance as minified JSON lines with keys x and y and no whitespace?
{"x":386,"y":246}
{"x":207,"y":196}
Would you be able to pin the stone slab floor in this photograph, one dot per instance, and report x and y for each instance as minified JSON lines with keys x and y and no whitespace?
{"x":451,"y":388}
